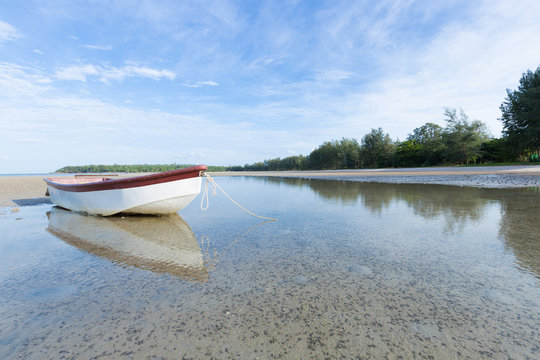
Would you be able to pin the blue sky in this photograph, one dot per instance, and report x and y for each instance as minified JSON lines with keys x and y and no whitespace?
{"x":234,"y":82}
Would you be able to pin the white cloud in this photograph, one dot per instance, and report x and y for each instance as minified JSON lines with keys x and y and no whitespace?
{"x":37,"y":51}
{"x":262,"y":62}
{"x":200,"y":84}
{"x":7,"y":32}
{"x":334,"y":75}
{"x":16,"y":81}
{"x":107,"y":73}
{"x":147,"y":72}
{"x":47,"y":128}
{"x":98,"y":47}
{"x":77,"y":72}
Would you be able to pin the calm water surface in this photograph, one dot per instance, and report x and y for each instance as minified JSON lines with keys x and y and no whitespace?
{"x":349,"y":270}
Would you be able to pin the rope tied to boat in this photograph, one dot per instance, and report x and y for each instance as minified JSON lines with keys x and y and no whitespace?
{"x":205,"y":191}
{"x":209,"y":179}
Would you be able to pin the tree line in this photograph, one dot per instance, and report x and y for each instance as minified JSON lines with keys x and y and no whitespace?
{"x":129,"y":168}
{"x":458,"y":143}
{"x":461,"y":141}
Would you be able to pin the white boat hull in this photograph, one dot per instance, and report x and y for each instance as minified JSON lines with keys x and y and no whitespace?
{"x":162,"y":198}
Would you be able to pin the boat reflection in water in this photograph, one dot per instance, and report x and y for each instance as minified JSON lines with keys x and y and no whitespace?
{"x":161,"y":244}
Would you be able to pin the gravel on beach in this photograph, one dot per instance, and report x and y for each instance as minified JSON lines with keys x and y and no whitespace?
{"x":484,"y":177}
{"x":483,"y":181}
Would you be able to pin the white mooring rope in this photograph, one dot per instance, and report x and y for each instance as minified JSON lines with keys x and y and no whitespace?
{"x":209,"y":179}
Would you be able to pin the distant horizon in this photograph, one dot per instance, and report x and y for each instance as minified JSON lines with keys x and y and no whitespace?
{"x":236,"y":82}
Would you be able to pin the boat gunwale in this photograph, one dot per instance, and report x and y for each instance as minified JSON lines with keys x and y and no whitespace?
{"x":131,"y":182}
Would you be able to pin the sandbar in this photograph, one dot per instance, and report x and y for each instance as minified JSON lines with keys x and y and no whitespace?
{"x":516,"y":176}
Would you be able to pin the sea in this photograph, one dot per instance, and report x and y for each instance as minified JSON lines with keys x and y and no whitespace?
{"x":348,"y":270}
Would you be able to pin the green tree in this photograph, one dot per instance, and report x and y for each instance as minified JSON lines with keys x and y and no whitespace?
{"x":377,"y":149}
{"x":272,"y":164}
{"x":297,"y":162}
{"x":521,"y":113}
{"x":325,"y":156}
{"x":408,"y":153}
{"x":496,"y":150}
{"x":429,"y":138}
{"x":343,"y":154}
{"x":462,"y":138}
{"x":349,"y":153}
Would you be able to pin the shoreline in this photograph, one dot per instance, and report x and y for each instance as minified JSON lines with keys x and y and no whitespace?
{"x":494,"y":177}
{"x":25,"y":190}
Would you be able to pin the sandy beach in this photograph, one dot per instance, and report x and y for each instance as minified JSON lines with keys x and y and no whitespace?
{"x":22,"y":190}
{"x":30,"y":189}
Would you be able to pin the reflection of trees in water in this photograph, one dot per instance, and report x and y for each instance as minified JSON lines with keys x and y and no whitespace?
{"x":457,"y":205}
{"x":344,"y":192}
{"x":298,"y":182}
{"x":520,"y":227}
{"x":520,"y":208}
{"x":349,"y":193}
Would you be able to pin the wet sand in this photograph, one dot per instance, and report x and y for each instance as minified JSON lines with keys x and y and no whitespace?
{"x":22,"y":190}
{"x":30,"y":190}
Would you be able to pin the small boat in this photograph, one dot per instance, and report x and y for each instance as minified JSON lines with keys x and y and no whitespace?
{"x":156,"y":194}
{"x":161,"y":244}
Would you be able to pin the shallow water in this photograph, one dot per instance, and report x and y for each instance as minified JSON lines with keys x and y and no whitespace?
{"x":349,"y":270}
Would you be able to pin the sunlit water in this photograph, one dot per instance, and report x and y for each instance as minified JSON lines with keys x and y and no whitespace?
{"x":349,"y":270}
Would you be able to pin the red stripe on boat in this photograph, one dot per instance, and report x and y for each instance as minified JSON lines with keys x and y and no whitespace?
{"x":125,"y":183}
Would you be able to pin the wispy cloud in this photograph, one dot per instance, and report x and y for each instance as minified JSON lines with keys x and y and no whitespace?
{"x":466,"y":64}
{"x":334,"y":75}
{"x":198,"y":84}
{"x":38,"y":121}
{"x":108,"y":73}
{"x":98,"y":47}
{"x":7,"y":32}
{"x":366,"y":74}
{"x":146,"y":72}
{"x":16,"y":81}
{"x":78,"y":72}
